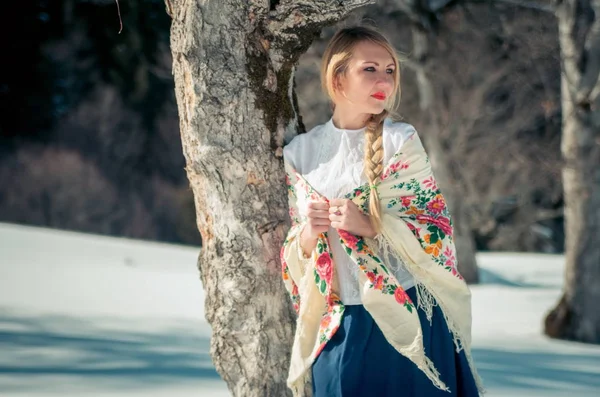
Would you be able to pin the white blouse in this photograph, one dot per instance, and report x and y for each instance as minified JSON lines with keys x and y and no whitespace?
{"x":331,"y":160}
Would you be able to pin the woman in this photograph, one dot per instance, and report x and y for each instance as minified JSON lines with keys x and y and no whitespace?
{"x":369,"y":261}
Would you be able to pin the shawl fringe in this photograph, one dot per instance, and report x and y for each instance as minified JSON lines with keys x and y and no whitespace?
{"x":426,"y":301}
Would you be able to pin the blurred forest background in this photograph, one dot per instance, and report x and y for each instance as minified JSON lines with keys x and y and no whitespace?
{"x":89,"y":133}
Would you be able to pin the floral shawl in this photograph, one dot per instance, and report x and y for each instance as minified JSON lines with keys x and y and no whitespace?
{"x":416,"y":227}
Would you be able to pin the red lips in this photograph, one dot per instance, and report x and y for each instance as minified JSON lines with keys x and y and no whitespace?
{"x":379,"y":95}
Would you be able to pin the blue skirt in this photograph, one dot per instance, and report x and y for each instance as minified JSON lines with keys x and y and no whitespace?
{"x":359,"y":362}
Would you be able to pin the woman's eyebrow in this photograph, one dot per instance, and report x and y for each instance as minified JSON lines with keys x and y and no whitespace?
{"x":376,"y":64}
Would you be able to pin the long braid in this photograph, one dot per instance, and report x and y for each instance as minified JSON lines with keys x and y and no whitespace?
{"x":373,"y":164}
{"x":334,"y":64}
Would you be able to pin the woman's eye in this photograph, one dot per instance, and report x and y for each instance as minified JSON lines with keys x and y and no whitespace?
{"x":372,"y":69}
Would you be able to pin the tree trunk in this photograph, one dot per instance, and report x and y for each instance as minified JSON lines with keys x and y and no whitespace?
{"x":576,"y":316}
{"x":233,"y":64}
{"x":463,"y":235}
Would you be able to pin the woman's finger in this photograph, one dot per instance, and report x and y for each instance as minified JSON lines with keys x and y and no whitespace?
{"x":335,"y":210}
{"x":338,"y":202}
{"x":321,"y":222}
{"x":318,"y":214}
{"x":336,"y":225}
{"x":335,"y":218}
{"x":318,"y":205}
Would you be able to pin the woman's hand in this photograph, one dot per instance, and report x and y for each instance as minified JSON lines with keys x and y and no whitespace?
{"x":318,"y":221}
{"x":345,"y":215}
{"x":317,"y":213}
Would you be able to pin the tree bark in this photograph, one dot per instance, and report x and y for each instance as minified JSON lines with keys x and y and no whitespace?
{"x":440,"y":161}
{"x":233,"y":64}
{"x":576,"y":317}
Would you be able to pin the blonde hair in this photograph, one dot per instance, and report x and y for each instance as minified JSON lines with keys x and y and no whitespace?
{"x":334,"y":64}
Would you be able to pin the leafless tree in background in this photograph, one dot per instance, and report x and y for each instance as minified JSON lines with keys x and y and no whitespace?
{"x":576,"y":316}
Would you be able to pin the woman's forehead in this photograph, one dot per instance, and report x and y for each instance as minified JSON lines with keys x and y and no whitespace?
{"x":366,"y":51}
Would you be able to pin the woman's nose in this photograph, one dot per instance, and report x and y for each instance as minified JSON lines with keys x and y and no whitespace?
{"x":385,"y":78}
{"x":385,"y":82}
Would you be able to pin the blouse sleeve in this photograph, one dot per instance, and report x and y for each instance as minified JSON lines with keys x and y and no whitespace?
{"x":400,"y":132}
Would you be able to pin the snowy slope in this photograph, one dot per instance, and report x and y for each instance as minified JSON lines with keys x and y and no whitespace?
{"x":87,"y":315}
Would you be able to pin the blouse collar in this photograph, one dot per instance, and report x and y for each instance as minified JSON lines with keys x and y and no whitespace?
{"x":333,"y":128}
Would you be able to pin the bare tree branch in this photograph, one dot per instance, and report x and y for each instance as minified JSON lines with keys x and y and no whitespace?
{"x":589,"y":78}
{"x":566,"y":12}
{"x":582,"y":77}
{"x":292,"y":25}
{"x":169,"y":8}
{"x":421,"y":50}
{"x":291,"y":16}
{"x":120,"y":20}
{"x":531,"y":5}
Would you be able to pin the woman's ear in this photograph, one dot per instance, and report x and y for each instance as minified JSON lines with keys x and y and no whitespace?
{"x":338,"y":84}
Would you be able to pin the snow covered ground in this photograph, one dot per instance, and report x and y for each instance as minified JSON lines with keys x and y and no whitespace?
{"x":87,"y":315}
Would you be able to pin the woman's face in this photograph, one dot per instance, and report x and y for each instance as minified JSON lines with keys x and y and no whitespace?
{"x":368,"y":81}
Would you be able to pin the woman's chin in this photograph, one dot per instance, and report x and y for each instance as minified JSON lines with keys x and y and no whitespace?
{"x":376,"y":109}
{"x":370,"y":109}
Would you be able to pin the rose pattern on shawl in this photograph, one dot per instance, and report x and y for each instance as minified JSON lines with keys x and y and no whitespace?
{"x":407,"y":200}
{"x":294,"y":188}
{"x":355,"y":243}
{"x":371,"y":276}
{"x":437,"y":205}
{"x":394,"y":168}
{"x":324,"y":267}
{"x":293,"y":212}
{"x":348,"y":239}
{"x":330,"y":321}
{"x":296,"y":302}
{"x":440,"y":222}
{"x":323,"y":271}
{"x":382,"y":281}
{"x":401,"y":296}
{"x":378,"y":282}
{"x":430,"y":183}
{"x":292,"y":287}
{"x":288,"y":184}
{"x":415,"y":230}
{"x":325,"y":321}
{"x":450,"y":263}
{"x":426,"y":213}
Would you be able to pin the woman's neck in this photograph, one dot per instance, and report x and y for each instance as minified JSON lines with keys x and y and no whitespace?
{"x":347,"y":120}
